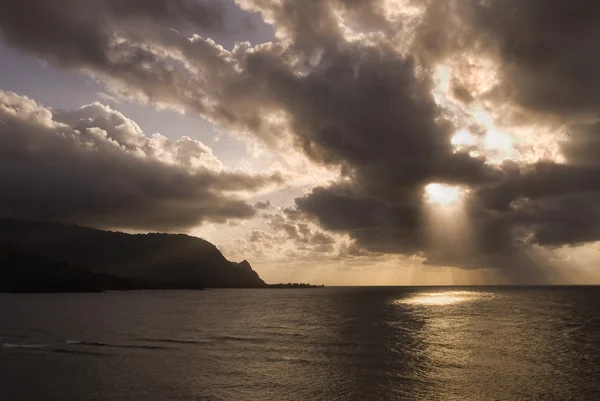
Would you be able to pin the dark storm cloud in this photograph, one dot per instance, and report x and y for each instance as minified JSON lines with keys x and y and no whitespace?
{"x":568,"y":220}
{"x":384,"y":227}
{"x":547,"y":50}
{"x":115,"y":41}
{"x":582,"y":145}
{"x":378,"y":226}
{"x":94,"y":166}
{"x":364,"y":108}
{"x":546,"y":54}
{"x":76,"y":32}
{"x":539,"y":181}
{"x":198,"y":13}
{"x":552,"y":204}
{"x":137,"y":54}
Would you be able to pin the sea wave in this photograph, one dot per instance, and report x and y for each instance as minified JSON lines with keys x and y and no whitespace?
{"x":173,"y":341}
{"x":25,"y":346}
{"x":110,"y":345}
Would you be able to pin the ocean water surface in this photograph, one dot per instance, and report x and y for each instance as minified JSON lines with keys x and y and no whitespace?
{"x":479,"y":343}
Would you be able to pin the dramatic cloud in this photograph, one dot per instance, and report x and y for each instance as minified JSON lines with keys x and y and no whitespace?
{"x":493,"y":101}
{"x":95,"y":166}
{"x":81,"y":31}
{"x":543,"y":49}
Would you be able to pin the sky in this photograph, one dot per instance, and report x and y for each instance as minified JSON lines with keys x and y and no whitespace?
{"x":344,"y":142}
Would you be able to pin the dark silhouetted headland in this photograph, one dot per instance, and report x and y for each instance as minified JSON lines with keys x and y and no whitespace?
{"x":23,"y":271}
{"x":166,"y":260}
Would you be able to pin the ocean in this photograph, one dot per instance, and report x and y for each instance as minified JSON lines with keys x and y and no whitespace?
{"x":475,"y":343}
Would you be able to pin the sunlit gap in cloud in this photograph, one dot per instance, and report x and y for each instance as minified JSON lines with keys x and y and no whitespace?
{"x":463,"y":139}
{"x":442,"y":194}
{"x":495,"y":138}
{"x":495,"y":145}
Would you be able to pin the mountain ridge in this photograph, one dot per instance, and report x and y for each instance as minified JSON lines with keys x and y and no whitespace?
{"x":23,"y":271}
{"x":157,"y":257}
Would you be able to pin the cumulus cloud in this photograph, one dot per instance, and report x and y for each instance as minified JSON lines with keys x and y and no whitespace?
{"x":95,"y":166}
{"x":290,"y":235}
{"x":354,"y":86}
{"x":262,"y":205}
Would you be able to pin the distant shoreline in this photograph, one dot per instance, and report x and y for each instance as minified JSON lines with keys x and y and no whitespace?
{"x":294,"y":285}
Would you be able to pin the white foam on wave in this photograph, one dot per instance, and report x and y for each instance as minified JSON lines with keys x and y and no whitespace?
{"x":10,"y":345}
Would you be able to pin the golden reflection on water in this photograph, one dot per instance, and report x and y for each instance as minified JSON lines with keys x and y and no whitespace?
{"x":441,"y":298}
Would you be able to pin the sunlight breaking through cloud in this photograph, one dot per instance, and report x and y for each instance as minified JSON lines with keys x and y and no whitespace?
{"x":442,"y":194}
